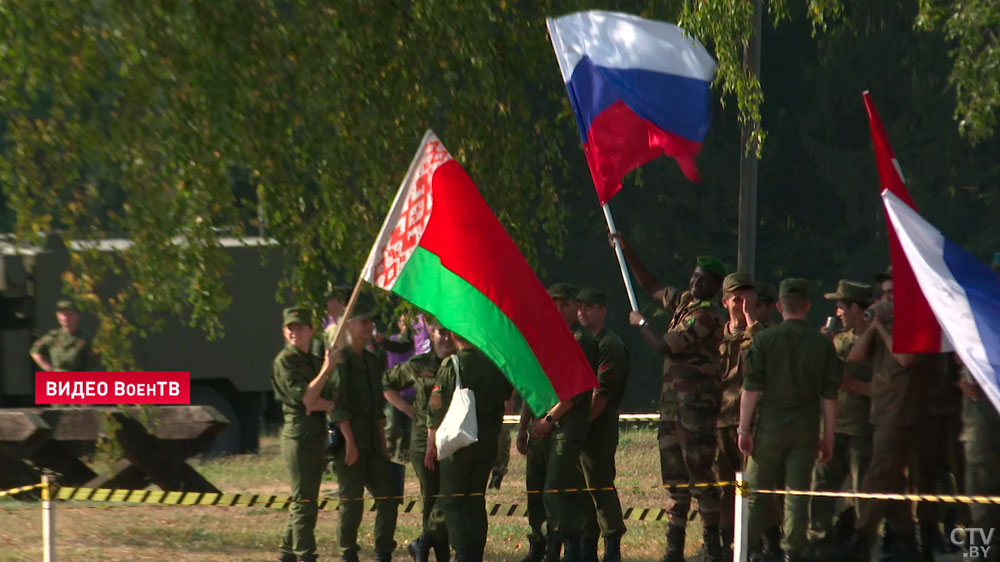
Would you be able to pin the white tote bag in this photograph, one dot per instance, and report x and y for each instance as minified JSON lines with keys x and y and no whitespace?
{"x":459,"y":427}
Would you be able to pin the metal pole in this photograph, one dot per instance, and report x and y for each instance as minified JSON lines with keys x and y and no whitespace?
{"x":48,"y":520}
{"x":740,"y":552}
{"x":747,"y":242}
{"x":621,"y":258}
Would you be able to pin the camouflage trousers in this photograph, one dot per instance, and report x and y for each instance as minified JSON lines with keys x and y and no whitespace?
{"x":686,"y":436}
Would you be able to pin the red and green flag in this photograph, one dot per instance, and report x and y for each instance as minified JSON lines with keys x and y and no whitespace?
{"x":442,"y":249}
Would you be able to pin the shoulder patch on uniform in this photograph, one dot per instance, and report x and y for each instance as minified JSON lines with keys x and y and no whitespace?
{"x":691,"y":321}
{"x":605,"y":368}
{"x":435,"y":401}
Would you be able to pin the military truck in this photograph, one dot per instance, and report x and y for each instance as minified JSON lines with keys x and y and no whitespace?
{"x":230,"y":373}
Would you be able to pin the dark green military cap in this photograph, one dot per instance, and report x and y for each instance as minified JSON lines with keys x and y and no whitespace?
{"x":793,"y":287}
{"x":736,"y":281}
{"x":713,"y":265}
{"x":364,"y":307}
{"x":563,"y":291}
{"x":297,"y":315}
{"x":64,"y":304}
{"x":590,"y":295}
{"x":766,"y":293}
{"x":851,"y":291}
{"x":340,"y":292}
{"x":884,"y":276}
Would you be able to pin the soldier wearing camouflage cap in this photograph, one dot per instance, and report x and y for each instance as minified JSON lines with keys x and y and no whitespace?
{"x":852,"y":445}
{"x":304,"y":433}
{"x":792,"y":377}
{"x":690,"y":395}
{"x":66,"y":348}
{"x":597,"y":459}
{"x":553,"y":453}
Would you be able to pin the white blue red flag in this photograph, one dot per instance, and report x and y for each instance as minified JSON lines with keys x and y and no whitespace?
{"x":639,"y":89}
{"x":914,"y":330}
{"x":961,"y":290}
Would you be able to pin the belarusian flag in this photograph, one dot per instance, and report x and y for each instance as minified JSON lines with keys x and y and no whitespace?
{"x":442,"y":249}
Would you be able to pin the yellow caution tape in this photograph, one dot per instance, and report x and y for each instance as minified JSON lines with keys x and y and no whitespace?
{"x":943,"y":498}
{"x":21,"y":490}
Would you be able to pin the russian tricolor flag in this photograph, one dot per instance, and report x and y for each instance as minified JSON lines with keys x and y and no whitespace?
{"x":639,"y":88}
{"x":962,"y":291}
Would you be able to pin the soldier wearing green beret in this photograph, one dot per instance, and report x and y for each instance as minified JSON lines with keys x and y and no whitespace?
{"x":364,"y":461}
{"x":304,"y":433}
{"x":690,"y":396}
{"x":792,"y":376}
{"x":553,"y":454}
{"x":852,"y":445}
{"x":66,"y":348}
{"x":464,"y":473}
{"x":420,"y":373}
{"x":597,"y":459}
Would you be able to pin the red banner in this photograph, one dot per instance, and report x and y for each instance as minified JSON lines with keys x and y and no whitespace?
{"x":79,"y":388}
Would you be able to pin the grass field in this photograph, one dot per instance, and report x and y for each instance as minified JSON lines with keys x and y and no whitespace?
{"x":176,"y":534}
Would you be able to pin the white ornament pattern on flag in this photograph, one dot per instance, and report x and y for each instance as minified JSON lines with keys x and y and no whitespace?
{"x":413,"y":217}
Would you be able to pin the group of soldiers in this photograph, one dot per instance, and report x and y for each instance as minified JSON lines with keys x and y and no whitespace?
{"x":792,"y":406}
{"x":335,"y":406}
{"x":799,"y":408}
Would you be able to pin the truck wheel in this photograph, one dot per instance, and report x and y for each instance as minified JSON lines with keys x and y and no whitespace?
{"x":228,"y":441}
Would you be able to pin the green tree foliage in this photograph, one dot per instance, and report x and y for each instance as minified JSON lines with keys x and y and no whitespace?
{"x":172,"y":123}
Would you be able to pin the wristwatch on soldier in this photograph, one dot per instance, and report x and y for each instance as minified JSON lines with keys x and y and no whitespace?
{"x":642,"y":323}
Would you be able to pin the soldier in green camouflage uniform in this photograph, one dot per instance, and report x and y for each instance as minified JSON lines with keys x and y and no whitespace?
{"x":553,"y":454}
{"x":852,"y":445}
{"x":420,"y":373}
{"x":65,"y":348}
{"x":464,"y":473}
{"x":363,"y":461}
{"x":981,"y":437}
{"x":598,"y":456}
{"x":304,"y":433}
{"x":738,"y":297}
{"x":690,"y":395}
{"x":792,"y":374}
{"x":503,"y":450}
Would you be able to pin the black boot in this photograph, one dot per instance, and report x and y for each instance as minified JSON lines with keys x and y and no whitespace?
{"x":857,"y":548}
{"x":713,"y":544}
{"x":464,"y":555}
{"x":885,"y":550}
{"x":613,"y":548}
{"x":571,"y":549}
{"x":675,"y":544}
{"x":536,"y":551}
{"x":495,"y":481}
{"x":588,"y":549}
{"x":904,"y":547}
{"x":383,"y":556}
{"x":442,"y":552}
{"x":930,"y":540}
{"x":420,"y":548}
{"x":552,"y":549}
{"x":288,"y":558}
{"x":772,"y":543}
